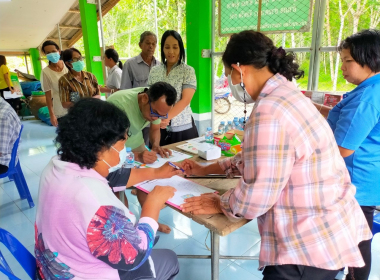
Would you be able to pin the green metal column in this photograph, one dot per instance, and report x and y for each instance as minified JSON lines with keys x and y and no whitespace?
{"x":89,"y":22}
{"x":36,"y":62}
{"x":198,"y":34}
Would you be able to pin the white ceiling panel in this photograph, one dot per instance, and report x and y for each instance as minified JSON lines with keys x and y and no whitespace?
{"x":25,"y":24}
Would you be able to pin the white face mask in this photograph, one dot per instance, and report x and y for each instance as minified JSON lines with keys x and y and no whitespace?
{"x":122,"y":158}
{"x":238,"y":91}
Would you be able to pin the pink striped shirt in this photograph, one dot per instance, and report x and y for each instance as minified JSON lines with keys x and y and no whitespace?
{"x":296,"y":182}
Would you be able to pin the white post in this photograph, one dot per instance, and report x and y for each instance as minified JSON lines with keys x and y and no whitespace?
{"x":59,"y":36}
{"x":101,"y":34}
{"x":156,"y":27}
{"x":213,"y":65}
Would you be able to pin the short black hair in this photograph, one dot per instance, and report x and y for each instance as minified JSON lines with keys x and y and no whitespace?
{"x":3,"y":60}
{"x":111,"y":53}
{"x":49,"y":43}
{"x":254,"y":48}
{"x":364,"y":48}
{"x":146,"y":34}
{"x":90,"y":127}
{"x":67,"y":54}
{"x":159,"y":89}
{"x":175,"y":34}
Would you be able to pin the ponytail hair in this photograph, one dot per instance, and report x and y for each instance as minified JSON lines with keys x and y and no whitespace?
{"x":254,"y":48}
{"x":111,"y":53}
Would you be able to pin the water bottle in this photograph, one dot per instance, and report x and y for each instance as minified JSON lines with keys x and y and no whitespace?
{"x":241,"y":121}
{"x":209,"y":136}
{"x":237,"y":125}
{"x":236,"y":119}
{"x":228,"y":126}
{"x":130,"y":160}
{"x":233,"y":125}
{"x":221,"y":128}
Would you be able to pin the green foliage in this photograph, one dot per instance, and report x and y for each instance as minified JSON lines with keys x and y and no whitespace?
{"x":129,"y":18}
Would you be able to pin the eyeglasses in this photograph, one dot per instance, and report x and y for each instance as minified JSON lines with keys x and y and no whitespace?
{"x":154,"y":114}
{"x":76,"y":59}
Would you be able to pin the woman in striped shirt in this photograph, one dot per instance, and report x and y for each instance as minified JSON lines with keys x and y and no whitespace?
{"x":76,"y":84}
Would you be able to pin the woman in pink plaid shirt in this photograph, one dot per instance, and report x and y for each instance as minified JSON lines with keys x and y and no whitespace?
{"x":294,"y":180}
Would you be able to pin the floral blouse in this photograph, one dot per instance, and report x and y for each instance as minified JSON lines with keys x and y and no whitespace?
{"x":181,"y":76}
{"x":83,"y":231}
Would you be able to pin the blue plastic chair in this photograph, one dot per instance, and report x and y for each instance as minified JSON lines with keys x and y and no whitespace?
{"x":376,"y":224}
{"x":22,"y":255}
{"x":14,"y":173}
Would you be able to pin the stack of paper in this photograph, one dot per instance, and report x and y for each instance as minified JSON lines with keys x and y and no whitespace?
{"x":175,"y":157}
{"x":185,"y":189}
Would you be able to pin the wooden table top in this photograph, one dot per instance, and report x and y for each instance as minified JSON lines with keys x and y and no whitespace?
{"x":217,"y":223}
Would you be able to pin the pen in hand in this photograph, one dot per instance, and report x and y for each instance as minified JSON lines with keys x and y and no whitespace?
{"x":176,"y":167}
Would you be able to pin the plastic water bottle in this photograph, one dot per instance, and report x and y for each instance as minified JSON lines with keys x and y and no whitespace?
{"x":237,"y":126}
{"x":234,"y":124}
{"x":236,"y":119}
{"x":130,"y":160}
{"x":221,"y":128}
{"x":241,"y":121}
{"x":228,"y":126}
{"x":209,"y":136}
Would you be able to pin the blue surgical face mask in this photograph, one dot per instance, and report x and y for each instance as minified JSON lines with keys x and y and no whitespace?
{"x":238,"y":91}
{"x":122,"y":158}
{"x":53,"y":57}
{"x":78,"y":65}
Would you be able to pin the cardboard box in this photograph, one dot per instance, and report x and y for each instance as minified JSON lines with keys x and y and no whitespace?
{"x":228,"y":149}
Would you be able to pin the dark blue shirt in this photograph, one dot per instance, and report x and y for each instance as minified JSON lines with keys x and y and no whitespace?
{"x":355,"y":122}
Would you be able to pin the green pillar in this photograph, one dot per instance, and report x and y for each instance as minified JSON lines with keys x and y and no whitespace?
{"x":198,"y":34}
{"x":36,"y":62}
{"x":89,"y":22}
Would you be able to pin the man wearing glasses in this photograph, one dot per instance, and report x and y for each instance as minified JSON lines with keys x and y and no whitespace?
{"x":145,"y":106}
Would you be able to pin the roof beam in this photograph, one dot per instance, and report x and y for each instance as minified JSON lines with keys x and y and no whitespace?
{"x":69,"y":27}
{"x":105,"y":9}
{"x":57,"y":39}
{"x":74,"y":11}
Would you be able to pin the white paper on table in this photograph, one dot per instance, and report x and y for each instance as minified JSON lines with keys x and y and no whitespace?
{"x":198,"y":140}
{"x":175,"y":157}
{"x":10,"y":95}
{"x":185,"y":189}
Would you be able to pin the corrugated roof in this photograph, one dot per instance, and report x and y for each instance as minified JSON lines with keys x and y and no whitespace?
{"x":70,"y":24}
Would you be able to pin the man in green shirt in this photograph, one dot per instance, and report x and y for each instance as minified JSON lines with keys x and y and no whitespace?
{"x":144,"y":106}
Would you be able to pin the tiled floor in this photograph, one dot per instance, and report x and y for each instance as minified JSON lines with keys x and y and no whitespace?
{"x":187,"y":237}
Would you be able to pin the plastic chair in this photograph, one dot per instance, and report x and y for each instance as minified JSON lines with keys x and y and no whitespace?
{"x":22,"y":255}
{"x":14,"y":173}
{"x":376,"y":224}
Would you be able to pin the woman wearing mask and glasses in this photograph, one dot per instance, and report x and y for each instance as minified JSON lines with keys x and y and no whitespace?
{"x":179,"y":126}
{"x":76,"y":84}
{"x":49,"y":80}
{"x":293,"y":177}
{"x":111,"y":60}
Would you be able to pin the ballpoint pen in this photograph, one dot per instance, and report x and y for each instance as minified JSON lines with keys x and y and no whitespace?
{"x":175,"y":166}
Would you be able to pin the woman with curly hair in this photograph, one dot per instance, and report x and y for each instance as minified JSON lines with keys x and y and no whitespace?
{"x":82,"y":230}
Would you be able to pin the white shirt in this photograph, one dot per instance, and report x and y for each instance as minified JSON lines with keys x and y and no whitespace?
{"x":114,"y":77}
{"x":181,"y":76}
{"x":49,"y":81}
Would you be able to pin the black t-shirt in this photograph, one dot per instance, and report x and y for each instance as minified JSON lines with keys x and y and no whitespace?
{"x":119,"y":177}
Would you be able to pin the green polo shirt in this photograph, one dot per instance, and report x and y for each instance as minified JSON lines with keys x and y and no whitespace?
{"x":127,"y":101}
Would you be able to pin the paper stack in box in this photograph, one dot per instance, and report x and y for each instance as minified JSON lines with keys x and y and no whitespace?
{"x":209,"y":151}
